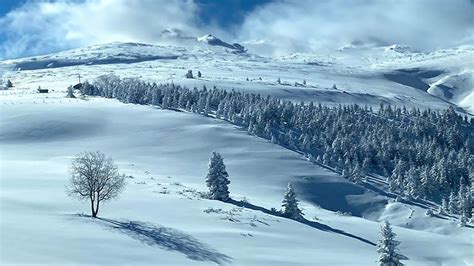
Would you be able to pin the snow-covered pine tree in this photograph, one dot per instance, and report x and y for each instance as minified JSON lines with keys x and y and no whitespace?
{"x":189,"y":75}
{"x":444,"y":208}
{"x":412,"y":184}
{"x":463,"y":219}
{"x":357,"y":174}
{"x":345,"y":174}
{"x":207,"y":107}
{"x":70,"y":93}
{"x":217,"y":178}
{"x":9,"y":84}
{"x":453,"y":203}
{"x":464,"y":199}
{"x":387,"y":247}
{"x":290,"y":204}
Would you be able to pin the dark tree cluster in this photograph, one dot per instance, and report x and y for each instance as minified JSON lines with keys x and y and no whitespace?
{"x":423,"y":154}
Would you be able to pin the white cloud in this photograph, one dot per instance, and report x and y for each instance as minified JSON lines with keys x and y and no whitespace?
{"x":282,"y":26}
{"x":307,"y":25}
{"x":43,"y":26}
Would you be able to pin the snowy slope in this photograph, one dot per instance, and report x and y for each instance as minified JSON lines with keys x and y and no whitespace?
{"x":160,"y":218}
{"x":363,"y":75}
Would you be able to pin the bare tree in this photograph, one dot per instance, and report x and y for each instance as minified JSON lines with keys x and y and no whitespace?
{"x":95,"y":177}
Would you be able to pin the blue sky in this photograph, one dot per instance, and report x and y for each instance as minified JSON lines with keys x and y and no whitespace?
{"x":269,"y":27}
{"x":8,"y":5}
{"x":226,"y":13}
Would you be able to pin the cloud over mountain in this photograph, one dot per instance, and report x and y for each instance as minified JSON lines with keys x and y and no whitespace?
{"x":276,"y":27}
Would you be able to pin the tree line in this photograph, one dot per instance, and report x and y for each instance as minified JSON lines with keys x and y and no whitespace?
{"x":422,"y":154}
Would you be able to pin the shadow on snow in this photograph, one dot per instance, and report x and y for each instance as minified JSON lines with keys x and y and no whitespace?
{"x":166,"y":238}
{"x":316,"y":225}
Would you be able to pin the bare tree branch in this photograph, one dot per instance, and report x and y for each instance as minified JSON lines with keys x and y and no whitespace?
{"x":94,"y":176}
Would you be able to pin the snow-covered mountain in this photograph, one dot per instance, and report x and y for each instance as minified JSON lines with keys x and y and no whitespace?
{"x":362,"y":75}
{"x":213,"y":40}
{"x":178,"y":37}
{"x":161,"y":217}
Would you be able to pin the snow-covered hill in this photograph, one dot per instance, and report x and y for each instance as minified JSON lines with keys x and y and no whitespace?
{"x":361,"y":75}
{"x":161,"y":217}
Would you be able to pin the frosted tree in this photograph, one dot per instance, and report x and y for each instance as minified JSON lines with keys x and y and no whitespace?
{"x":189,"y":75}
{"x":9,"y":84}
{"x":345,"y":174}
{"x":207,"y":107}
{"x":70,"y":92}
{"x":387,"y":247}
{"x":463,"y":219}
{"x":357,"y":174}
{"x":453,"y":203}
{"x":444,"y":208}
{"x":199,"y":74}
{"x":398,"y":175}
{"x":412,"y":184}
{"x":290,"y":204}
{"x":217,"y":178}
{"x":464,"y":200}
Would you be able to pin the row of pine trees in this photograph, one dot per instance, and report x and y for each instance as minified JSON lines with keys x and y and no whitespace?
{"x":422,"y":154}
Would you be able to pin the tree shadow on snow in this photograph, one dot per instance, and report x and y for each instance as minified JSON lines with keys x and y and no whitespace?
{"x":313,"y":224}
{"x":168,"y":239}
{"x":339,"y":195}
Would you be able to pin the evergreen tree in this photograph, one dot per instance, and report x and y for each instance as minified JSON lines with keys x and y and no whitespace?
{"x":412,"y":184}
{"x":357,"y":174}
{"x":290,"y":204}
{"x":217,"y":178}
{"x":444,"y":206}
{"x":463,"y":219}
{"x":70,"y":92}
{"x":453,"y":203}
{"x":464,"y":200}
{"x":189,"y":75}
{"x":387,"y":247}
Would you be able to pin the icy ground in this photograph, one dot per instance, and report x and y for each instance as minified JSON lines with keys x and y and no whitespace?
{"x":161,"y":218}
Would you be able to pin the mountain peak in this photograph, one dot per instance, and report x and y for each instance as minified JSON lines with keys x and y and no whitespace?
{"x":213,"y":40}
{"x":399,"y":48}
